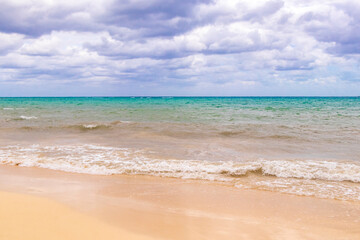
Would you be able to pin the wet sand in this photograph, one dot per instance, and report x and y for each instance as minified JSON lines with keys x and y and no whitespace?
{"x":45,"y":204}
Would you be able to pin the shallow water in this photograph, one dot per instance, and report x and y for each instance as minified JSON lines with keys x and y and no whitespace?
{"x":303,"y":145}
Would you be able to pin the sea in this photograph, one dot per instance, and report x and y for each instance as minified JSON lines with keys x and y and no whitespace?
{"x":308,"y":146}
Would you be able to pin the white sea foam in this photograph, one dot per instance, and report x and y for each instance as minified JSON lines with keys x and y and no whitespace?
{"x":125,"y":160}
{"x":90,"y":126}
{"x":310,"y":177}
{"x":306,"y":187}
{"x":9,"y":108}
{"x":27,"y":117}
{"x":323,"y":170}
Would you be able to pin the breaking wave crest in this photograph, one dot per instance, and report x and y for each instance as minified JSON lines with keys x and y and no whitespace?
{"x":25,"y":118}
{"x":110,"y":160}
{"x":303,"y":177}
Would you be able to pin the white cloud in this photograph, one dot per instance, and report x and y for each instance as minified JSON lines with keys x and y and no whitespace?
{"x":9,"y":42}
{"x":228,"y":43}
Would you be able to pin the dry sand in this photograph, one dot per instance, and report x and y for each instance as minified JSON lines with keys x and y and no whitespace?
{"x":28,"y":217}
{"x":46,"y":204}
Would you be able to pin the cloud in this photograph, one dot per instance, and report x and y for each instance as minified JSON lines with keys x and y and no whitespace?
{"x":153,"y":17}
{"x":335,"y":23}
{"x":9,"y":42}
{"x":174,"y":45}
{"x":267,"y":9}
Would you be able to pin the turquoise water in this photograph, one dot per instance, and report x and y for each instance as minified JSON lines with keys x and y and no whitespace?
{"x":309,"y":144}
{"x":190,"y":109}
{"x":332,"y":112}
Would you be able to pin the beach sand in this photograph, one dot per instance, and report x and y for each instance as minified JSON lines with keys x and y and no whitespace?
{"x":45,"y":204}
{"x":28,"y":217}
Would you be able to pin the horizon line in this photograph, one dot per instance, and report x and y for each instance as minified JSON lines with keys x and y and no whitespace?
{"x":245,"y":96}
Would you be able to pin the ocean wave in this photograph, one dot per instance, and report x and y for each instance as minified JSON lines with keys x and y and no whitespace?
{"x":80,"y":126}
{"x":114,"y":160}
{"x":90,"y":126}
{"x":305,"y":187}
{"x":181,"y":130}
{"x":10,"y":108}
{"x":93,"y":126}
{"x":303,"y":177}
{"x":25,"y":118}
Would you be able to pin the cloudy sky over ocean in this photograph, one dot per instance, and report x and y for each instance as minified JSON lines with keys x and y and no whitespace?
{"x":179,"y":47}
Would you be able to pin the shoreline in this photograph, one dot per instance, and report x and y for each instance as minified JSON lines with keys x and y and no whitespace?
{"x":167,"y":208}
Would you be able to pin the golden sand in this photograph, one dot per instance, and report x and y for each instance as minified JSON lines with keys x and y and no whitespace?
{"x":134,"y":207}
{"x":28,"y":217}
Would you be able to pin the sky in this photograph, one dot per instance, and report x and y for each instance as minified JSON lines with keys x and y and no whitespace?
{"x":180,"y":48}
